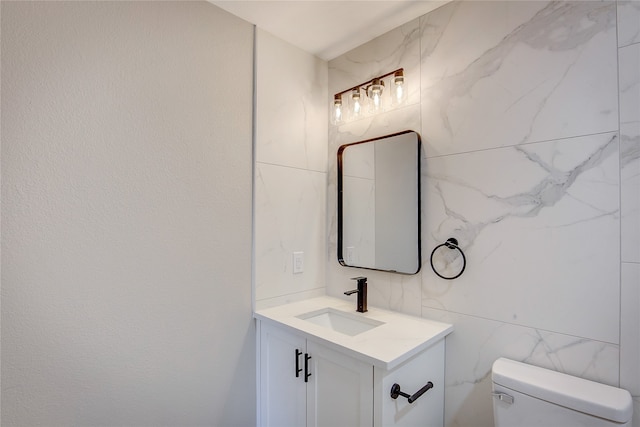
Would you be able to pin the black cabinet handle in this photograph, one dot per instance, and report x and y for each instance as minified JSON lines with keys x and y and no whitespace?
{"x":395,"y":392}
{"x":298,"y":368}
{"x":307,"y":374}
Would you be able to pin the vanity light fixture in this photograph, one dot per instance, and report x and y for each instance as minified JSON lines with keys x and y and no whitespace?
{"x":374,"y":101}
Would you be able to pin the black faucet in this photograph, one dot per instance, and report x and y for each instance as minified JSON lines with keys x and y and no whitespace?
{"x":362,"y":293}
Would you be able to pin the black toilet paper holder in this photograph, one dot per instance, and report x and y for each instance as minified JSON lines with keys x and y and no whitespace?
{"x":395,"y":392}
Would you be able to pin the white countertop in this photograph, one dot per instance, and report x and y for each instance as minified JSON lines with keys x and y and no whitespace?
{"x":385,"y":346}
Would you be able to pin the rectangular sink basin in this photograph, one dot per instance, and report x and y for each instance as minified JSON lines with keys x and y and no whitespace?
{"x":346,"y":323}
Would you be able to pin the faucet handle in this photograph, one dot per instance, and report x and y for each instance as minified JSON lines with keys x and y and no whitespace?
{"x":359,"y":278}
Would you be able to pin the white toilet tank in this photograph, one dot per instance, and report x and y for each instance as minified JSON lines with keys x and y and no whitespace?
{"x":529,"y":396}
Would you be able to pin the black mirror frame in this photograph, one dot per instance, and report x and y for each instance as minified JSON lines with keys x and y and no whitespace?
{"x":340,"y":201}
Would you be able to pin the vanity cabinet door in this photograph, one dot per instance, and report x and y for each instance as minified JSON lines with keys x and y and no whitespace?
{"x":282,"y":394}
{"x":428,"y":409}
{"x":339,"y":391}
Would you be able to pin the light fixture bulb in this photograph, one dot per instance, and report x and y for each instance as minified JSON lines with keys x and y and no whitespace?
{"x":337,"y":110}
{"x":376,"y":99}
{"x":398,"y":88}
{"x":399,"y":93}
{"x":375,"y":93}
{"x":356,"y":103}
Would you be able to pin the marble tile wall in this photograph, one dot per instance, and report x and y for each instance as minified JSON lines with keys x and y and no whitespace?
{"x":290,"y":171}
{"x":541,"y":65}
{"x":629,"y":86}
{"x":529,"y":117}
{"x":468,"y":379}
{"x":537,"y":231}
{"x":398,"y":48}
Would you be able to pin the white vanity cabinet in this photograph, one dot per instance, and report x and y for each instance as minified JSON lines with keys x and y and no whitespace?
{"x":342,"y":390}
{"x":303,"y":383}
{"x":321,"y":364}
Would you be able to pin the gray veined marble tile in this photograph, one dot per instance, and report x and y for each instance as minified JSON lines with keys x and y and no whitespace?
{"x":628,"y":24}
{"x":398,"y":48}
{"x":476,"y":343}
{"x":539,"y":224}
{"x":407,"y":118}
{"x":630,"y":191}
{"x":386,"y":290}
{"x":629,"y":75}
{"x":629,"y":71}
{"x":291,"y":100}
{"x":505,"y":73}
{"x":630,"y":329}
{"x":291,"y":161}
{"x":290,"y":216}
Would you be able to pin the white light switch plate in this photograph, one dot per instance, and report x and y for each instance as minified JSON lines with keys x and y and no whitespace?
{"x":298,"y":262}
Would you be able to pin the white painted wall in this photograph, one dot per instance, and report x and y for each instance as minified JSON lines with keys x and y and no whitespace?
{"x":126,"y":215}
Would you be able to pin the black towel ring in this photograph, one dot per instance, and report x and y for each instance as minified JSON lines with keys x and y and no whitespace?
{"x":451,"y":243}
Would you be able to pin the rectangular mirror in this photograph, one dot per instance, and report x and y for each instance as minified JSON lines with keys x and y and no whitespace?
{"x":379,"y":203}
